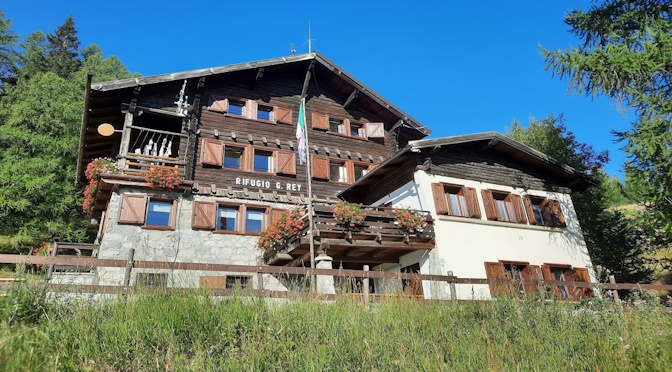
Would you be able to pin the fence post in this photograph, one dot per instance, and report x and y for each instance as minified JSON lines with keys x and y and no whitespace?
{"x":451,"y":283}
{"x":365,"y":285}
{"x":50,"y":271}
{"x":614,"y":292}
{"x":260,"y":276}
{"x":129,"y":267}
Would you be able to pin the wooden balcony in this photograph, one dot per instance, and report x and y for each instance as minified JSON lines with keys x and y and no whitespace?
{"x":377,"y":241}
{"x":143,"y":148}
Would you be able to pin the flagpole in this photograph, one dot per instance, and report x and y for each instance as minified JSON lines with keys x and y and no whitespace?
{"x":311,"y":239}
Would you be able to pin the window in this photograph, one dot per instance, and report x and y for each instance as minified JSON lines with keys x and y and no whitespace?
{"x":559,"y":275}
{"x":456,"y":200}
{"x":544,"y":212}
{"x":236,"y":108}
{"x":158,"y":213}
{"x":503,"y":206}
{"x":337,"y":126}
{"x":357,"y":130}
{"x":254,"y":220}
{"x":151,"y":280}
{"x":360,"y":171}
{"x":514,"y":272}
{"x":227,"y":218}
{"x":236,"y":282}
{"x":233,"y":157}
{"x":265,"y":113}
{"x":338,"y":172}
{"x":148,"y":210}
{"x":263,"y":161}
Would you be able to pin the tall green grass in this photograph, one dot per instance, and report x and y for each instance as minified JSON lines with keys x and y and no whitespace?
{"x":192,"y":331}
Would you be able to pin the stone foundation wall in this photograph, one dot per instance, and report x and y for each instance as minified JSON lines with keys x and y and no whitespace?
{"x":183,"y":244}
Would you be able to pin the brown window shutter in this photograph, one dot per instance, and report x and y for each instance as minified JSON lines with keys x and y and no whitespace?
{"x":173,"y":214}
{"x":133,"y":208}
{"x":218,"y":104}
{"x":489,"y":204}
{"x":320,"y":121}
{"x":374,"y":130}
{"x":439,"y":198}
{"x":558,"y":218}
{"x":530,"y":212}
{"x":582,"y":275}
{"x":213,"y":152}
{"x":283,"y":115}
{"x":212,"y":282}
{"x":320,"y":165}
{"x":530,"y":272}
{"x":495,"y":270}
{"x":570,"y":276}
{"x":248,"y":159}
{"x":372,"y":166}
{"x":472,"y":201}
{"x":519,"y":208}
{"x":204,"y":215}
{"x":286,"y":163}
{"x":345,"y":127}
{"x":276,"y":214}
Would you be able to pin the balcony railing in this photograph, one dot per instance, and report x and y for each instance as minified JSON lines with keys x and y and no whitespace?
{"x":151,"y":148}
{"x":377,"y":240}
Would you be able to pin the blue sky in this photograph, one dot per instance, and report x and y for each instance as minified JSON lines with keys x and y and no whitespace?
{"x":457,"y":68}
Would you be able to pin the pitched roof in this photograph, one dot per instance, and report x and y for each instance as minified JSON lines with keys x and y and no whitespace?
{"x":486,"y":141}
{"x":363,"y":89}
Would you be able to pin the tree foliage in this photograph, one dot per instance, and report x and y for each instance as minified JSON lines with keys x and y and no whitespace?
{"x":626,"y":54}
{"x":8,"y":55}
{"x":617,"y":245}
{"x":40,"y":119}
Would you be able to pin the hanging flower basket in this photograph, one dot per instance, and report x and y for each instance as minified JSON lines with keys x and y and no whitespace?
{"x":93,"y":170}
{"x":349,"y":214}
{"x":409,"y":220}
{"x":278,"y":233}
{"x":163,"y":178}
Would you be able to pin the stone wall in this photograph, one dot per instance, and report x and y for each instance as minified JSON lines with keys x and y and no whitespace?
{"x":183,"y":244}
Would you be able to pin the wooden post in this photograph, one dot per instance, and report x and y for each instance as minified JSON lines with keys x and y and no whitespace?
{"x":365,"y":285}
{"x":451,"y":283}
{"x":260,"y":276}
{"x":125,"y":140}
{"x":614,"y":292}
{"x":129,"y":267}
{"x":50,"y":270}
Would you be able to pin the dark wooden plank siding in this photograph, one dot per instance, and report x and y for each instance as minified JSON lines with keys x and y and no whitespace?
{"x":473,"y":165}
{"x":384,"y":184}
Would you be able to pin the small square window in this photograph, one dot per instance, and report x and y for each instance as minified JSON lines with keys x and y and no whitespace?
{"x":505,"y":209}
{"x":232,"y":158}
{"x":254,"y":220}
{"x":360,"y":171}
{"x":263,"y":161}
{"x":236,"y":282}
{"x":226,"y":218}
{"x":457,"y":201}
{"x":335,"y":126}
{"x":265,"y":113}
{"x":158,"y":213}
{"x":357,"y":130}
{"x":236,"y":108}
{"x":338,"y":172}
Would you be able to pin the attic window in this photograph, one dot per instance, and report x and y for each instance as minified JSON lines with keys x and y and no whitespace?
{"x":236,"y":108}
{"x":265,"y":113}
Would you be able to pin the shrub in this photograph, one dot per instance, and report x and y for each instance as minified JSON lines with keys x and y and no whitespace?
{"x":289,"y":224}
{"x":349,"y":213}
{"x":163,"y":178}
{"x":409,"y":220}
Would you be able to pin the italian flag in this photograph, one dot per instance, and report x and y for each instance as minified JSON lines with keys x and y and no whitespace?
{"x":301,"y":132}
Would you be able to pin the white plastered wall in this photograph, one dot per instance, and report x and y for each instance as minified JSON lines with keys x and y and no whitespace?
{"x":463,"y":245}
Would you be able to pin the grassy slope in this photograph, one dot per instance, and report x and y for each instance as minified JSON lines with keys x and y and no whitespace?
{"x":178,"y":332}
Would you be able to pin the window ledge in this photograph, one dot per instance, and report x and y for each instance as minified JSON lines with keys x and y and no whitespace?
{"x":157,"y":227}
{"x":251,"y":120}
{"x":348,"y":136}
{"x":501,"y":224}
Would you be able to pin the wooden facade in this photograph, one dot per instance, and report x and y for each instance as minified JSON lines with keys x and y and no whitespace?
{"x":249,"y":111}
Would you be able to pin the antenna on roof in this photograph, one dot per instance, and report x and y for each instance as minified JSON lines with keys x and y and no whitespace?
{"x":309,"y":41}
{"x":291,"y":45}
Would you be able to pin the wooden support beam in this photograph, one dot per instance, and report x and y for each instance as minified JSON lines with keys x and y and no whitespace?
{"x":299,"y":261}
{"x":492,"y":142}
{"x":191,"y":129}
{"x":260,"y":74}
{"x":306,"y":81}
{"x":352,"y":97}
{"x":365,"y":260}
